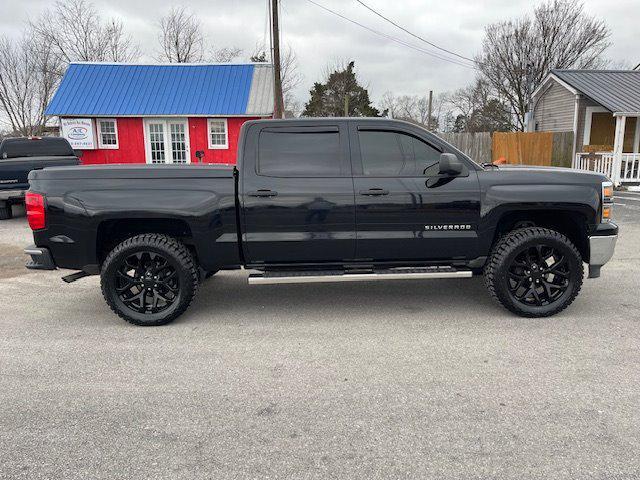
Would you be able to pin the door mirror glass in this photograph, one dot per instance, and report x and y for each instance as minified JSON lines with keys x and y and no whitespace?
{"x":450,"y":165}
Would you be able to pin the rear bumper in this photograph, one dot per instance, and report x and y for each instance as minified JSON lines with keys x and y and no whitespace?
{"x":12,"y":194}
{"x":41,"y":258}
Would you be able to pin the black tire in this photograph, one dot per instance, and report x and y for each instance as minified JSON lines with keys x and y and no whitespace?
{"x":130,"y":270}
{"x":5,"y":211}
{"x":521,"y":279}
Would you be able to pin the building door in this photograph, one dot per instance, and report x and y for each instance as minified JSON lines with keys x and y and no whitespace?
{"x":167,"y":140}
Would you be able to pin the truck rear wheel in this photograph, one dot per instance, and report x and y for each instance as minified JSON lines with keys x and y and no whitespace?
{"x":534,"y":272}
{"x":149,"y":279}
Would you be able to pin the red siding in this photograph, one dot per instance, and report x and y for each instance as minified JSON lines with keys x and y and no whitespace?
{"x":131,"y":143}
{"x":198,"y":136}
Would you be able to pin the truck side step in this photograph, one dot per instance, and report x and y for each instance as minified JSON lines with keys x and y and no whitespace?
{"x":316,"y":276}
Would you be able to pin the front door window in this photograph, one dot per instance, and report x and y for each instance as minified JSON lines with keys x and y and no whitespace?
{"x":167,"y":141}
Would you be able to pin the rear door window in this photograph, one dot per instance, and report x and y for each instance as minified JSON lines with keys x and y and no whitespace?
{"x":300,"y":153}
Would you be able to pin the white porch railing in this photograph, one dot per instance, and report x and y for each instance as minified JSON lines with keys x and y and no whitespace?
{"x":602,"y":162}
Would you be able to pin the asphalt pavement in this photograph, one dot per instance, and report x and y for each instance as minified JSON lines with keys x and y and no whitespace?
{"x":406,"y":379}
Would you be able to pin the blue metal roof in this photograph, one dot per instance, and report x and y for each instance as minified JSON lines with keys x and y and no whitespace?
{"x":103,"y":89}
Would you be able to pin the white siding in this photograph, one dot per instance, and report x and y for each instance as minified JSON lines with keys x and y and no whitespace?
{"x":555,"y":109}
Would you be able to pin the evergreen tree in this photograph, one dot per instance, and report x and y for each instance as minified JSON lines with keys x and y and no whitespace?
{"x":341,"y":95}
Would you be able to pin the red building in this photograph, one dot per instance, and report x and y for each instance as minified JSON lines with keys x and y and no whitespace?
{"x":171,"y":113}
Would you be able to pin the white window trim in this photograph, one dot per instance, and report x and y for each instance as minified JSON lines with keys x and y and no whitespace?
{"x":99,"y":134}
{"x":226,"y":134}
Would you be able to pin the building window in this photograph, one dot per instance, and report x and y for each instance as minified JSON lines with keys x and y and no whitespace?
{"x":107,"y":133}
{"x":218,"y":133}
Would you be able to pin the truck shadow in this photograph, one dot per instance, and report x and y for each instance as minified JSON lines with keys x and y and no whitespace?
{"x":228,"y":297}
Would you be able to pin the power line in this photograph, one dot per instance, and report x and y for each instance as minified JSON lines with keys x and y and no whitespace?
{"x":394,"y":39}
{"x":413,"y":34}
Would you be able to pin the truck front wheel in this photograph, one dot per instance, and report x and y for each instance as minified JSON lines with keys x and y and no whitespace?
{"x":149,"y":279}
{"x":534,"y":272}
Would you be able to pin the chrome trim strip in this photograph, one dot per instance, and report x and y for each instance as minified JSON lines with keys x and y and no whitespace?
{"x":355,"y":277}
{"x":33,"y":251}
{"x":601,"y":249}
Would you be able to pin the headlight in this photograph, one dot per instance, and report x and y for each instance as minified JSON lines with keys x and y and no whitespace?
{"x":607,"y":201}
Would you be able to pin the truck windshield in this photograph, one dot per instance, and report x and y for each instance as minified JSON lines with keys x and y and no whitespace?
{"x":36,"y":147}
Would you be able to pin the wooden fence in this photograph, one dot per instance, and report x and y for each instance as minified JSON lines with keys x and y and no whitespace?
{"x":519,"y":148}
{"x":533,"y":148}
{"x":476,"y":145}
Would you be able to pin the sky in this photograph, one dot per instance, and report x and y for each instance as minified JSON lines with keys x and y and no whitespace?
{"x":321,"y":39}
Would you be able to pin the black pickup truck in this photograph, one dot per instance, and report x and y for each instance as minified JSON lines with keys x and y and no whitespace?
{"x":18,"y":156}
{"x":323,"y":200}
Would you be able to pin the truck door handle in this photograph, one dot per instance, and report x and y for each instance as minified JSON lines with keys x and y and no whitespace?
{"x":263,"y":193}
{"x":374,"y":192}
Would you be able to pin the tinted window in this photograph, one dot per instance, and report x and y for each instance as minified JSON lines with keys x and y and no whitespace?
{"x":381,"y":153}
{"x":299,"y":154}
{"x":37,"y":147}
{"x":426,"y":157}
{"x":395,"y":154}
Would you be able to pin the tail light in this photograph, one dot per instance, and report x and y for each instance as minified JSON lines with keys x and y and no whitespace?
{"x":35,"y":210}
{"x":607,"y":201}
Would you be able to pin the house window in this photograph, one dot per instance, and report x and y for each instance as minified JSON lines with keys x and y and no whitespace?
{"x":107,"y":133}
{"x":218,"y":133}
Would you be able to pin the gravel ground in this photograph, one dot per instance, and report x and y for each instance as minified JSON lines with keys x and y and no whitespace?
{"x":422,"y":379}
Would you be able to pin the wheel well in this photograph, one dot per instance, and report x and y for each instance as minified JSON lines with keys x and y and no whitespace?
{"x":112,"y":232}
{"x":573,"y":225}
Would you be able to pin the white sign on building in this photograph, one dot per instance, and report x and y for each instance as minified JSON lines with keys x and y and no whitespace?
{"x":79,"y":132}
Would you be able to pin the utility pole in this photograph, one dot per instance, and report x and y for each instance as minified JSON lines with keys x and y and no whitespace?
{"x":429,"y":109}
{"x":278,"y":107}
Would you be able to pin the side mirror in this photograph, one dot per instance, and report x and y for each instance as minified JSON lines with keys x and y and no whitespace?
{"x":78,"y":153}
{"x":450,"y":165}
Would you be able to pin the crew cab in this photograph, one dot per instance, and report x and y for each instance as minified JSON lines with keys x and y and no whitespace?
{"x":323,"y":200}
{"x":18,"y":156}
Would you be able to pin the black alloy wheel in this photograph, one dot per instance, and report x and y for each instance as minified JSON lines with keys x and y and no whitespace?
{"x":534,"y":272}
{"x":146,"y":282}
{"x":149,"y":279}
{"x":539,"y":275}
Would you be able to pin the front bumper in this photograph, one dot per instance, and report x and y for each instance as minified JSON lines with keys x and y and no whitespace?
{"x":41,"y":258}
{"x":601,"y":248}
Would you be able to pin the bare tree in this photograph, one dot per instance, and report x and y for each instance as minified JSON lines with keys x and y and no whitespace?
{"x":412,"y":108}
{"x":31,"y":68}
{"x":27,"y":81}
{"x":477,"y":108}
{"x":76,"y":32}
{"x":517,"y":54}
{"x":291,"y":76}
{"x":182,"y":41}
{"x":225,"y":54}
